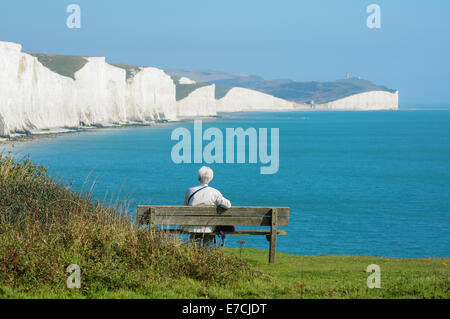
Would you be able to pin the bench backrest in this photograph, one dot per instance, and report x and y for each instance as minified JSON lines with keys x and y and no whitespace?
{"x":213,"y":216}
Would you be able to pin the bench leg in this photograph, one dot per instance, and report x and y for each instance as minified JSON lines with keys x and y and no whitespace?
{"x":272,"y":251}
{"x":273,"y":236}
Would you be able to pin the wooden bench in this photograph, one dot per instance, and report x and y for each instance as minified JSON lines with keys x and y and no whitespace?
{"x":215,"y":216}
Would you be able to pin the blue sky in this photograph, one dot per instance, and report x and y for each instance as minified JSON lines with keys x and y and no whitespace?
{"x":319,"y":40}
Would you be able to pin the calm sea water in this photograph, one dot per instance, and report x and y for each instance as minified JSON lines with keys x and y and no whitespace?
{"x":363,"y":183}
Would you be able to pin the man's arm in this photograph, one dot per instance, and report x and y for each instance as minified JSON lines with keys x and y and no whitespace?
{"x":222,"y":201}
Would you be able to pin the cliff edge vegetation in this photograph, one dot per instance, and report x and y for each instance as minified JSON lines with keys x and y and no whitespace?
{"x":65,"y":65}
{"x":45,"y":227}
{"x":299,"y":92}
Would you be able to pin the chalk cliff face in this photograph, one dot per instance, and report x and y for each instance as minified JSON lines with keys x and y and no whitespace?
{"x":375,"y":100}
{"x":240,"y":99}
{"x":31,"y":96}
{"x":34,"y":97}
{"x":200,"y":102}
{"x":100,"y":92}
{"x":151,"y":96}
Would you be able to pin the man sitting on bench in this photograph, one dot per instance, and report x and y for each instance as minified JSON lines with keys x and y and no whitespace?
{"x":204,"y":195}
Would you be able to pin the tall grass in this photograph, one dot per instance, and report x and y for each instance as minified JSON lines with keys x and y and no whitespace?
{"x":45,"y":226}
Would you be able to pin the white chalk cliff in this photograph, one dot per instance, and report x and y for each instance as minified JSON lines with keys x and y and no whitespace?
{"x":31,"y":96}
{"x":151,"y":96}
{"x":185,"y":80}
{"x":374,"y":100}
{"x":200,"y":102}
{"x":34,"y":97}
{"x":240,"y":99}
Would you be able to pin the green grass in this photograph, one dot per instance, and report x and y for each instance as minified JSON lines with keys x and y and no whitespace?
{"x":183,"y":90}
{"x":45,"y":226}
{"x":292,"y":277}
{"x":65,"y":65}
{"x":131,"y":70}
{"x":221,"y":91}
{"x":345,"y":276}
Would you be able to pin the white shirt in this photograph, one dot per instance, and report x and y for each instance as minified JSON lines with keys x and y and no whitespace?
{"x":206,"y":197}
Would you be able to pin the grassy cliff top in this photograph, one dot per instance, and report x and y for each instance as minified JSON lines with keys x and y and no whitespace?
{"x":131,"y":70}
{"x":65,"y":65}
{"x":183,"y":90}
{"x":45,"y":226}
{"x":319,"y":92}
{"x":68,"y":65}
{"x":292,"y":277}
{"x":300,"y":92}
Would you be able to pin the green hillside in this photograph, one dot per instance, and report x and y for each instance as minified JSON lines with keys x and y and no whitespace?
{"x":65,"y":65}
{"x":183,"y":90}
{"x":222,"y":90}
{"x":319,"y":92}
{"x":131,"y":70}
{"x":300,"y":92}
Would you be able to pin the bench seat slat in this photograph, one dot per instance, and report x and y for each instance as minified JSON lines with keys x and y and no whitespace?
{"x":209,"y":210}
{"x":215,"y":220}
{"x":236,"y":232}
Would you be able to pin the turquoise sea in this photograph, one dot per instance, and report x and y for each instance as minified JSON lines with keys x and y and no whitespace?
{"x":359,"y":183}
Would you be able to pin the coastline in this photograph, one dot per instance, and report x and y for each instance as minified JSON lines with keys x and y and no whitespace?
{"x":56,"y":132}
{"x":59,"y":131}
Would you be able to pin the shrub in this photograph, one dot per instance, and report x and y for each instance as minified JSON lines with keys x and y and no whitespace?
{"x":45,"y":226}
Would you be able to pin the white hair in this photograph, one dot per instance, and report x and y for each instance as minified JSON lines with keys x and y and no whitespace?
{"x":205,"y":175}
